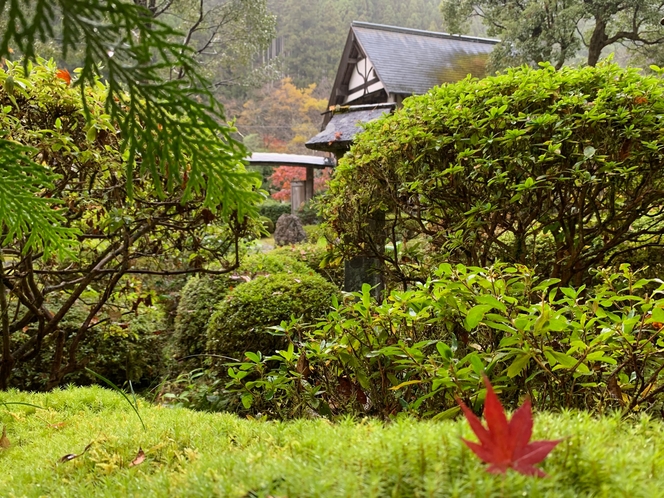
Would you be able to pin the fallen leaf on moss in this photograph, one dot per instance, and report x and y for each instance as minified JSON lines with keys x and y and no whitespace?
{"x":506,"y":444}
{"x":71,"y":456}
{"x":140,"y":458}
{"x":4,"y":440}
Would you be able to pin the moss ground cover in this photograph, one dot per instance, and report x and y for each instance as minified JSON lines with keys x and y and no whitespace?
{"x":201,"y":454}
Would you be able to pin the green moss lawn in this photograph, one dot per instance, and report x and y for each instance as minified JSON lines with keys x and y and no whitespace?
{"x":202,"y":454}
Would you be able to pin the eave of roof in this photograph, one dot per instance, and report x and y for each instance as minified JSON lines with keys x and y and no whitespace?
{"x":411,"y":61}
{"x":346,"y":122}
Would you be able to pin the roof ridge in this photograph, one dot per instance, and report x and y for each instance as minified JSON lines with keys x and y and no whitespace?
{"x":421,"y":32}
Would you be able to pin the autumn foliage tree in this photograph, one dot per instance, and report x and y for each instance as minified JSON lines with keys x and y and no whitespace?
{"x":282,"y":177}
{"x":284,"y":116}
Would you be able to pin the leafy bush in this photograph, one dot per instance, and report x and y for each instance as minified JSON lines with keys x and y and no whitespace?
{"x":76,"y":160}
{"x":308,"y":213}
{"x":241,"y":320}
{"x":599,"y":349}
{"x":317,"y":232}
{"x":197,"y":301}
{"x":316,"y":258}
{"x":273,"y":209}
{"x":124,"y":348}
{"x":200,"y":295}
{"x":483,"y":170}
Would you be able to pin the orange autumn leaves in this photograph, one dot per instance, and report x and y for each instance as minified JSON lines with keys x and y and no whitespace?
{"x":64,"y":75}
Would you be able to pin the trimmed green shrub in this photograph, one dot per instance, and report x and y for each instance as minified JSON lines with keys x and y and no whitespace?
{"x":241,"y":320}
{"x":271,"y":262}
{"x":314,"y":256}
{"x":483,"y":169}
{"x":273,"y":209}
{"x":200,"y":295}
{"x":197,"y":300}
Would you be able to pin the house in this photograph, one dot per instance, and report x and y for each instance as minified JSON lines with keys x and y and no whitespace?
{"x":381,"y":65}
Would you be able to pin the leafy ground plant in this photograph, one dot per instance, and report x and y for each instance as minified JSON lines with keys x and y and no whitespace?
{"x":197,"y":454}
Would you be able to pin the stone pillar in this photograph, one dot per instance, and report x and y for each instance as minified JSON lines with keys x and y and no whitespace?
{"x":297,"y":195}
{"x":309,"y":184}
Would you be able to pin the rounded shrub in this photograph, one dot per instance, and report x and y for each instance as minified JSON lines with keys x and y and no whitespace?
{"x":315,"y":257}
{"x":483,"y":169}
{"x":202,"y":292}
{"x":241,"y":320}
{"x":197,"y":300}
{"x":271,"y":262}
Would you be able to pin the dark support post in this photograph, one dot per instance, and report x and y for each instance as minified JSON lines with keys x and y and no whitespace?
{"x":367,"y":269}
{"x":309,"y":184}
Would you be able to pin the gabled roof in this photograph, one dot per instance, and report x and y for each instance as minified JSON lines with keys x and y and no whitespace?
{"x":381,"y":62}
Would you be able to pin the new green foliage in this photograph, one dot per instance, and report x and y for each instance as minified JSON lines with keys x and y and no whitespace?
{"x":173,"y":129}
{"x":55,"y":303}
{"x":596,"y":349}
{"x":201,"y":294}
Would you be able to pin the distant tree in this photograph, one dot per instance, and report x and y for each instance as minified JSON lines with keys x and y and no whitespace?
{"x":314,"y":36}
{"x":285,"y":116}
{"x":283,"y":176}
{"x":225,"y":36}
{"x":555,"y":30}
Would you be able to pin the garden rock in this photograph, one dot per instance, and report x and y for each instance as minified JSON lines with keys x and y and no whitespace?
{"x":289,"y":230}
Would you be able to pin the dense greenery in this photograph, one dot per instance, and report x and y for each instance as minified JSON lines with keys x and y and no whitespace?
{"x":532,"y":31}
{"x":240,"y":322}
{"x":201,"y":294}
{"x":163,"y":228}
{"x":420,"y":349}
{"x":557,"y":170}
{"x":172,"y":129}
{"x":200,"y":454}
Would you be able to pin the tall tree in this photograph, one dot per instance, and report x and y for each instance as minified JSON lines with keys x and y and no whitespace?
{"x":556,"y":30}
{"x":226,"y":36}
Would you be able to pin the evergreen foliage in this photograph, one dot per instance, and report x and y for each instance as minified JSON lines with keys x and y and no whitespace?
{"x":202,"y":293}
{"x":77,"y":144}
{"x":172,"y":129}
{"x":555,"y":169}
{"x":240,"y":322}
{"x":556,"y":31}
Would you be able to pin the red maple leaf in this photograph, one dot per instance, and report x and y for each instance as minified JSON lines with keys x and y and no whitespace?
{"x":505,"y":445}
{"x":63,"y":74}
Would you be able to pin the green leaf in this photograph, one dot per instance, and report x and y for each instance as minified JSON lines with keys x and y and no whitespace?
{"x":518,"y":365}
{"x":444,"y":350}
{"x":475,"y":315}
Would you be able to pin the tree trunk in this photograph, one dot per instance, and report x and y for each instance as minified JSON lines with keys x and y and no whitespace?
{"x":7,"y":362}
{"x":597,"y":42}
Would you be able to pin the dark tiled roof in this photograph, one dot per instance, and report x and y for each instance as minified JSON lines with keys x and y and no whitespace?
{"x":344,"y":125}
{"x":410,"y":61}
